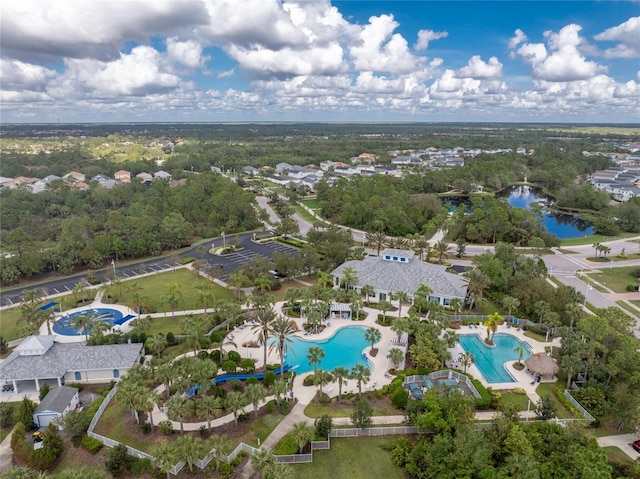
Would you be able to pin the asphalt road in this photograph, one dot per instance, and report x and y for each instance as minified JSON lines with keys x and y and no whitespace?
{"x":229,"y":264}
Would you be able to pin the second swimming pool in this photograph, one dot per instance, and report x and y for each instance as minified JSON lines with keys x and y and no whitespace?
{"x":490,"y":361}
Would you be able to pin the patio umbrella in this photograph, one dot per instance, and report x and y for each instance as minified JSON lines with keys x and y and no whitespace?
{"x":542,"y":364}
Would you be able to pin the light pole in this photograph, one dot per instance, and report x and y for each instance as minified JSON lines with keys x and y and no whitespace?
{"x":586,"y":294}
{"x":113,"y":265}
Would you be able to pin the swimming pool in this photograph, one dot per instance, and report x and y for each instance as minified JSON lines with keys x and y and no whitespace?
{"x":64,"y":325}
{"x":490,"y":361}
{"x":344,"y":348}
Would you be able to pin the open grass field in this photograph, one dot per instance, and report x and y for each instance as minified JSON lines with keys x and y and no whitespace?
{"x":520,"y":401}
{"x":616,"y":279}
{"x":355,"y":458}
{"x":155,"y":288}
{"x":312,"y":203}
{"x":593,"y":239}
{"x":10,"y":323}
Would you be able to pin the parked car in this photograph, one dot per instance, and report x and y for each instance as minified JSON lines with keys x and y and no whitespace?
{"x":636,"y":445}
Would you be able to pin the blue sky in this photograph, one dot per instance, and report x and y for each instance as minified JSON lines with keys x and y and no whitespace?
{"x":269,"y":60}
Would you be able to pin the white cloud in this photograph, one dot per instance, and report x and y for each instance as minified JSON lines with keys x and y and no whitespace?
{"x":226,"y":73}
{"x":188,"y":52}
{"x":563,"y":61}
{"x":518,"y":38}
{"x":628,"y":34}
{"x":425,"y":36}
{"x":478,"y":69}
{"x":18,"y":75}
{"x":377,"y":49}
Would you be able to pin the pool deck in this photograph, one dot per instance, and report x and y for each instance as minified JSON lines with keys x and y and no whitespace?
{"x":522,"y":378}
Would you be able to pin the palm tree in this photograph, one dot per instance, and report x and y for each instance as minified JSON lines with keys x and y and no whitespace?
{"x":361,"y":374}
{"x":86,"y":322}
{"x":315,"y":356}
{"x":236,"y":280}
{"x":478,"y":282}
{"x":420,"y":243}
{"x":303,"y":434}
{"x":322,"y":378}
{"x":138,"y":297}
{"x":282,"y":330}
{"x":442,"y":250}
{"x":466,"y":359}
{"x":456,"y":304}
{"x":132,"y":394}
{"x":117,"y":284}
{"x":373,"y":335}
{"x":156,"y":344}
{"x":510,"y":303}
{"x":234,"y":402}
{"x":520,"y":351}
{"x":396,"y":356}
{"x":166,"y":374}
{"x":142,"y":323}
{"x":402,"y":298}
{"x":278,"y":470}
{"x":367,"y":290}
{"x":341,"y":375}
{"x":385,"y":306}
{"x":574,"y":311}
{"x":376,"y":239}
{"x":254,"y":394}
{"x":421,"y":298}
{"x":190,"y":450}
{"x":262,"y":283}
{"x":164,"y":457}
{"x":264,"y":320}
{"x":204,"y":294}
{"x":492,"y":322}
{"x":208,"y":407}
{"x":324,"y":280}
{"x":220,"y":448}
{"x":172,"y":297}
{"x":349,"y":277}
{"x":179,"y":407}
{"x":597,"y":247}
{"x":261,"y":459}
{"x":279,"y":389}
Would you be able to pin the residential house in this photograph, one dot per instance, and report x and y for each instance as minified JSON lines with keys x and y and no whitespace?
{"x":250,"y":170}
{"x":41,"y":185}
{"x":56,"y":405}
{"x":39,"y":359}
{"x":163,"y":175}
{"x":74,"y":176}
{"x":282,"y":168}
{"x":100,"y":178}
{"x":145,"y":177}
{"x":122,"y":176}
{"x":399,"y":270}
{"x":19,"y":182}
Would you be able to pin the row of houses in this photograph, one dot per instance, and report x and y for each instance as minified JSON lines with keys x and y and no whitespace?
{"x":621,"y":182}
{"x":80,"y":181}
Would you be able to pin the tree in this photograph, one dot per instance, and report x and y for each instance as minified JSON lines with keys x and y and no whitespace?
{"x":361,"y":374}
{"x":597,"y":247}
{"x":341,"y":375}
{"x":442,"y":250}
{"x":204,"y":294}
{"x":376,"y":239}
{"x":466,"y":359}
{"x":208,"y":407}
{"x":402,"y":298}
{"x":520,"y":351}
{"x":396,"y":356}
{"x":190,"y":450}
{"x":492,"y":322}
{"x":149,"y":401}
{"x":279,"y":389}
{"x":510,"y":303}
{"x":303,"y":434}
{"x":373,"y":335}
{"x":156,"y":343}
{"x":478,"y":283}
{"x":349,"y":277}
{"x":254,"y":394}
{"x":263,"y":283}
{"x":321,"y":379}
{"x":315,"y":356}
{"x":164,"y":457}
{"x":278,"y":470}
{"x":234,"y":402}
{"x":362,"y":414}
{"x":116,"y":459}
{"x":261,"y":459}
{"x":138,"y":297}
{"x":172,"y":297}
{"x":385,"y":306}
{"x":545,"y":408}
{"x":236,"y":280}
{"x":180,"y":407}
{"x":282,"y":330}
{"x":75,"y":423}
{"x":25,"y":411}
{"x":220,"y":449}
{"x":367,"y":290}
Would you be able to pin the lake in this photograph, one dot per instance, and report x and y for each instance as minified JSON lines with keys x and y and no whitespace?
{"x":562,"y":225}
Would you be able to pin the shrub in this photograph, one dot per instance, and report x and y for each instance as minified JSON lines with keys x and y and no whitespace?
{"x":235,"y":384}
{"x":187,"y":260}
{"x":140,"y":466}
{"x":6,"y":414}
{"x":218,"y":392}
{"x":215,"y":356}
{"x":171,"y":339}
{"x":234,"y":356}
{"x":91,"y":444}
{"x":270,"y":407}
{"x":44,"y":390}
{"x":78,"y":386}
{"x":247,"y":365}
{"x":116,"y":459}
{"x":324,"y":400}
{"x":400,"y":398}
{"x":632,"y":287}
{"x":19,"y":445}
{"x":203,"y":355}
{"x":545,"y":408}
{"x":309,"y":380}
{"x":520,"y":391}
{"x":243,"y":417}
{"x":269,"y":378}
{"x":323,"y":426}
{"x":484,"y":401}
{"x":229,"y":366}
{"x":93,"y":408}
{"x":252,"y":381}
{"x":203,"y":431}
{"x":146,"y":427}
{"x":165,"y":428}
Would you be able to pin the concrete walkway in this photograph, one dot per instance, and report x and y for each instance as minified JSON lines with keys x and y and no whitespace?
{"x":6,"y":454}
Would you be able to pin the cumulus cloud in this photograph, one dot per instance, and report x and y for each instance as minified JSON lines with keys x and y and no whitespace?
{"x":17,"y":75}
{"x":518,"y":38}
{"x":563,"y":61}
{"x":425,"y":36}
{"x":377,"y":48}
{"x":478,"y":69}
{"x":628,"y":36}
{"x":226,"y":73}
{"x":188,"y":52}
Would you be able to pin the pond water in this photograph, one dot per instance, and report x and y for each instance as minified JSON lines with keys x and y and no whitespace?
{"x":560,"y":224}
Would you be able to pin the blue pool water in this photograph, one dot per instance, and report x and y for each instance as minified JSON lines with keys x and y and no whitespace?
{"x":490,"y":361}
{"x":64,"y":325}
{"x":344,"y":348}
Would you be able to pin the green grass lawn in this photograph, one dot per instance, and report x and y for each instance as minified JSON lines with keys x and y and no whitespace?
{"x":634,"y":302}
{"x":547,"y":389}
{"x":284,"y":286}
{"x":10,"y":323}
{"x":155,"y":288}
{"x":520,"y":401}
{"x":593,"y":239}
{"x":334,"y":409}
{"x":627,"y":307}
{"x":4,"y":432}
{"x":312,"y":203}
{"x":616,"y":454}
{"x":167,"y":324}
{"x":616,"y":279}
{"x":355,"y":458}
{"x":536,"y":336}
{"x":304,"y":214}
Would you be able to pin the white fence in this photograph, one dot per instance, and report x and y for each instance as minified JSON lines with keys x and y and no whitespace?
{"x":578,"y":406}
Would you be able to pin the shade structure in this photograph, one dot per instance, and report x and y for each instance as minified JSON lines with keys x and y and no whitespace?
{"x":542,"y":364}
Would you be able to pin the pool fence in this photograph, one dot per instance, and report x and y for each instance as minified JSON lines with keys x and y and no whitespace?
{"x":443,"y":374}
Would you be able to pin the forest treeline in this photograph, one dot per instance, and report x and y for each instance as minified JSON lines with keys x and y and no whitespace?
{"x":63,"y":229}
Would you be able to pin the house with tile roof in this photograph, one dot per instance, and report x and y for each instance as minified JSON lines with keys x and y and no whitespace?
{"x":123,"y":176}
{"x":39,"y":359}
{"x":400,"y":270}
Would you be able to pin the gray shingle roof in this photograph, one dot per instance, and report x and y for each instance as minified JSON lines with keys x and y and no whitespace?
{"x":60,"y":358}
{"x":56,"y":400}
{"x":390,"y":276}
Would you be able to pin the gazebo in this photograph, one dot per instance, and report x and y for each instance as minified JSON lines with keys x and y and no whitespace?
{"x":542,"y":364}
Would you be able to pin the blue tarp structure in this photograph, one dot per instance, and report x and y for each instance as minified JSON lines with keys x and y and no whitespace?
{"x":48,"y":306}
{"x":124,"y":320}
{"x":242,"y":377}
